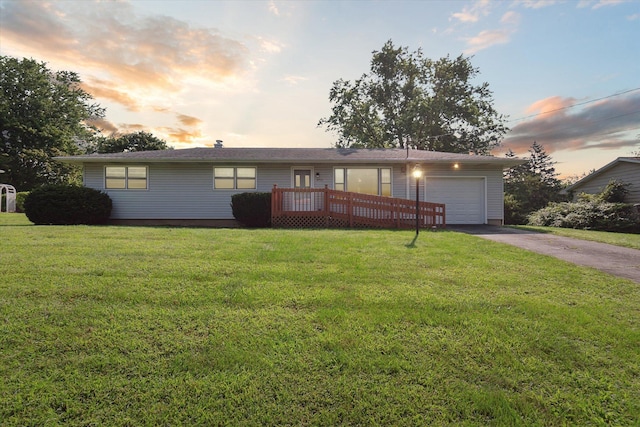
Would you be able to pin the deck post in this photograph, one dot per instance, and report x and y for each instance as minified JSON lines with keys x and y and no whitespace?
{"x":349,"y":200}
{"x":274,"y":196}
{"x":326,"y":205}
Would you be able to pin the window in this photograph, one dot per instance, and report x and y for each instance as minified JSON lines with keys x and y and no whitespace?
{"x":238,"y":178}
{"x":125,"y":177}
{"x":376,"y":181}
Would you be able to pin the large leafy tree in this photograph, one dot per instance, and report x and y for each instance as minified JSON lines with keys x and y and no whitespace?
{"x":530,"y":186}
{"x":407,"y":100}
{"x":137,"y":141}
{"x":42,"y":115}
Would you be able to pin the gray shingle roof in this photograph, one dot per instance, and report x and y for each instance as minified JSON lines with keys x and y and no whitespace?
{"x":598,"y":172}
{"x":288,"y":155}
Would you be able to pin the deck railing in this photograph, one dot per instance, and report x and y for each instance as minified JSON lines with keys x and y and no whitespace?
{"x":322,"y":207}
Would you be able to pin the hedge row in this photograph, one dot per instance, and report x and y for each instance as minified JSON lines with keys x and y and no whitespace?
{"x":67,"y":205}
{"x":589,"y":215}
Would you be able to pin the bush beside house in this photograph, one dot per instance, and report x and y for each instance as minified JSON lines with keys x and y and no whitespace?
{"x":20,"y":198}
{"x":252,"y":209}
{"x":63,"y":204}
{"x":605,"y":211}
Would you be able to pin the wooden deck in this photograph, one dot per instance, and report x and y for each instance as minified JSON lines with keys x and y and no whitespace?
{"x":325,"y":208}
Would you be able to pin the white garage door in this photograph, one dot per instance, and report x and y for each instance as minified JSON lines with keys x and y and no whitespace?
{"x":464,"y":198}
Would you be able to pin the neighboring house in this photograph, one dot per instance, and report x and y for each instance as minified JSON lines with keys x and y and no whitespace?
{"x":624,"y":169}
{"x":194,"y":186}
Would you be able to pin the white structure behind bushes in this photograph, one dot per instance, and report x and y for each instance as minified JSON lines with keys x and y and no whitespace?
{"x":8,"y":202}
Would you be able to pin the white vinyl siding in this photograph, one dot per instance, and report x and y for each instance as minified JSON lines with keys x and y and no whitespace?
{"x":627,"y":172}
{"x":185,"y":190}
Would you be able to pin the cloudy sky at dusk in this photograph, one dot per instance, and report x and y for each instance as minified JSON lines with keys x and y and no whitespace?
{"x":258,"y":73}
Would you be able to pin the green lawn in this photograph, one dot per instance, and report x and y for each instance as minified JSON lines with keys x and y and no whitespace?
{"x":619,"y":239}
{"x":185,"y":326}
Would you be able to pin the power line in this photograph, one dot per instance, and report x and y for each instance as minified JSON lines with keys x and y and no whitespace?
{"x":574,"y":105}
{"x":561,"y":128}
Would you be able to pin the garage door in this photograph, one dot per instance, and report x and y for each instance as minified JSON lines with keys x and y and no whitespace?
{"x":464,"y":198}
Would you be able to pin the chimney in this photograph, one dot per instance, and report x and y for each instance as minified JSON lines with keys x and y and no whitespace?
{"x":218,"y":143}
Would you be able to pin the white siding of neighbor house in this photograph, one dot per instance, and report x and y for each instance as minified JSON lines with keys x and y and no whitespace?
{"x":623,"y":171}
{"x":185,"y":190}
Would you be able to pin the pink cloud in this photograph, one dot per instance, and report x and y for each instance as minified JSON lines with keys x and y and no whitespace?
{"x":152,"y":52}
{"x":550,"y":104}
{"x":486,"y":39}
{"x":611,"y":123}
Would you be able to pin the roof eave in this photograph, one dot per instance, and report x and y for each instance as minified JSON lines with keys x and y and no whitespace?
{"x":483,"y":161}
{"x":600,"y":171}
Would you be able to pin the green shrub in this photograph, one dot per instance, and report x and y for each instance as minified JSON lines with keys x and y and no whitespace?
{"x":589,"y":215}
{"x":20,"y":198}
{"x":513,"y":210}
{"x":67,"y":204}
{"x":615,"y":192}
{"x":252,"y":209}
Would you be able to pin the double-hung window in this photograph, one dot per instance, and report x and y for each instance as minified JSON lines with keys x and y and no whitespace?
{"x":125,"y":177}
{"x":234,"y":178}
{"x":376,"y":181}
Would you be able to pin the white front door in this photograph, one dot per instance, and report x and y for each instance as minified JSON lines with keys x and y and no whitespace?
{"x":301,"y":180}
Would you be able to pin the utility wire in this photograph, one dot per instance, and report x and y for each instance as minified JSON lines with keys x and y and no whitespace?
{"x":574,"y":105}
{"x":554,"y":129}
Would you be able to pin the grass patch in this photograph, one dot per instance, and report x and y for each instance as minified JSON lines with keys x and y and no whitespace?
{"x":627,"y":240}
{"x":172,"y":326}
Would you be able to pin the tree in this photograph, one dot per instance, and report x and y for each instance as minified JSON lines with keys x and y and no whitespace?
{"x":530,"y":186}
{"x":42,"y":115}
{"x":408,"y":100}
{"x":138,"y":141}
{"x":636,"y":152}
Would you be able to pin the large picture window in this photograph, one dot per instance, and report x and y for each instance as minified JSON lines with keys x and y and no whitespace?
{"x":234,"y":178}
{"x":376,"y":181}
{"x":125,"y":177}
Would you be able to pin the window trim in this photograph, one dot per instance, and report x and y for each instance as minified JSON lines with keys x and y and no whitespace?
{"x":235,"y":177}
{"x":345,"y":182}
{"x":127,"y":179}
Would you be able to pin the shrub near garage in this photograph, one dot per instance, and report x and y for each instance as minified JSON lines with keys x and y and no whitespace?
{"x":67,"y":205}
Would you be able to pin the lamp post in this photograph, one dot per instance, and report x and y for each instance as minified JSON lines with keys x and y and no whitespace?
{"x":417,"y":173}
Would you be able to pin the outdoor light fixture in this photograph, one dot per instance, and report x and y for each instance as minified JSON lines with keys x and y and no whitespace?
{"x":417,"y":173}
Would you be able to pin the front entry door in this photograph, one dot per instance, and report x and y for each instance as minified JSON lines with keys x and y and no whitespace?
{"x":301,"y":178}
{"x":302,"y":201}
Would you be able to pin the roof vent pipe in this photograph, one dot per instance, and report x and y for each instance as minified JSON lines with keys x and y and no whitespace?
{"x":218,"y":143}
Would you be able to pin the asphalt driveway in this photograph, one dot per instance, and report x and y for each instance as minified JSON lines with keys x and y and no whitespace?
{"x":615,"y":260}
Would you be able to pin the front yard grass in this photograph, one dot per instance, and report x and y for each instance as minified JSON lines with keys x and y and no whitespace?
{"x":618,"y":239}
{"x":186,"y":326}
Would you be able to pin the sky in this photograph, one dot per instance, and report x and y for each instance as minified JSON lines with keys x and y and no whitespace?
{"x":258,"y":73}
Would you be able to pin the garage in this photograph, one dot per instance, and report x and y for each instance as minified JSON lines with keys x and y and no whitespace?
{"x":464,"y":198}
